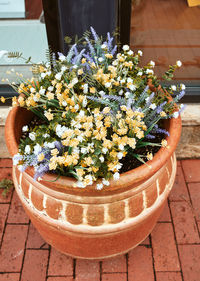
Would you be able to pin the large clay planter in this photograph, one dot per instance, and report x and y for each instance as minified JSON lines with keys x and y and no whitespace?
{"x":92,"y":224}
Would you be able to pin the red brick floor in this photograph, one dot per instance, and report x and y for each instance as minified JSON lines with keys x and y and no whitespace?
{"x":170,"y":253}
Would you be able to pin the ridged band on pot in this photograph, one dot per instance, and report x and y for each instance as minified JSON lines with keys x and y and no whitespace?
{"x":88,"y":223}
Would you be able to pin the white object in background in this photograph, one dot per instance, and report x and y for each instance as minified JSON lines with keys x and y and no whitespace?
{"x":12,"y":9}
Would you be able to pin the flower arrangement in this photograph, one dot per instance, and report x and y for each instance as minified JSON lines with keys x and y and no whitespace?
{"x":94,"y":107}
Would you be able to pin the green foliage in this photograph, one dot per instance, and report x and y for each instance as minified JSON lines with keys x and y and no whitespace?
{"x":6,"y":185}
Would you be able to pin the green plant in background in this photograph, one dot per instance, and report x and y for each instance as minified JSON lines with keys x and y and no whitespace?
{"x":6,"y":185}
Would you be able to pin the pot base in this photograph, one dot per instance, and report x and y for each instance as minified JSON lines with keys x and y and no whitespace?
{"x":92,"y":229}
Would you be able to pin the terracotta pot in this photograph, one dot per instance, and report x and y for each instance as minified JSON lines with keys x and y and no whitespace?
{"x":92,"y":224}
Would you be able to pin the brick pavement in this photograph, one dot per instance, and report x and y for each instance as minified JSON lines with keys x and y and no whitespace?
{"x":170,"y":253}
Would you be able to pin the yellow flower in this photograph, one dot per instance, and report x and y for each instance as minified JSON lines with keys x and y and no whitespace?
{"x":131,"y":142}
{"x":123,"y":107}
{"x":164,"y":143}
{"x":3,"y":99}
{"x":162,"y":114}
{"x":48,"y":115}
{"x":21,"y":101}
{"x":14,"y":101}
{"x":88,"y":161}
{"x":83,"y":60}
{"x":80,"y":71}
{"x":80,"y":172}
{"x":54,"y":152}
{"x":73,"y":142}
{"x":106,"y":110}
{"x":50,"y":96}
{"x":149,"y":156}
{"x":40,"y":157}
{"x":109,"y":56}
{"x":92,"y":90}
{"x":52,"y":165}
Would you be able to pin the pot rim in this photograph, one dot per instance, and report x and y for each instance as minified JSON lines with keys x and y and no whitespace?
{"x":127,"y":180}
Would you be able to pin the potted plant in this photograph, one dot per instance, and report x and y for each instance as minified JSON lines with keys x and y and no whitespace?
{"x":92,"y":137}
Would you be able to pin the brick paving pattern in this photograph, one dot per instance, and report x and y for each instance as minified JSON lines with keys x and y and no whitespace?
{"x":170,"y":253}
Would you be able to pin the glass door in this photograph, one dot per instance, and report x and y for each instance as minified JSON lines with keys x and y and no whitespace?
{"x":167,"y":31}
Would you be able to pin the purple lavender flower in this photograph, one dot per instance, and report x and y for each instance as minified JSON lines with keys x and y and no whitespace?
{"x":42,"y":169}
{"x":94,"y":34}
{"x":160,"y":107}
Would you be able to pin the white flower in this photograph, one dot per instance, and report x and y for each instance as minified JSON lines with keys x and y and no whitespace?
{"x":139,"y":73}
{"x":130,"y":53}
{"x":99,"y":186}
{"x":103,"y":46}
{"x":176,"y":114}
{"x":121,"y":92}
{"x":49,"y":144}
{"x":80,"y":184}
{"x":62,"y":57}
{"x":121,"y":147}
{"x":84,"y":103}
{"x":85,"y":88}
{"x":75,"y":66}
{"x":37,"y":149}
{"x":132,"y":87}
{"x":125,"y":48}
{"x":149,"y":71}
{"x":76,"y":107}
{"x":81,"y":113}
{"x":84,"y":150}
{"x":100,"y":59}
{"x":64,"y":103}
{"x":32,"y":90}
{"x":102,"y":93}
{"x":76,"y":149}
{"x":127,"y":94}
{"x":46,"y":136}
{"x":74,"y":81}
{"x":35,"y":98}
{"x":89,"y":179}
{"x":32,"y":136}
{"x":63,"y":68}
{"x":152,"y":106}
{"x":50,"y":89}
{"x":108,"y":84}
{"x":42,"y":91}
{"x":173,"y":87}
{"x":152,"y":63}
{"x":25,"y":128}
{"x":58,"y":76}
{"x":178,"y":63}
{"x":120,"y":155}
{"x":122,"y":81}
{"x":140,"y":53}
{"x":182,"y":86}
{"x":129,"y":80}
{"x":27,"y":149}
{"x":48,"y":73}
{"x":17,"y":157}
{"x":104,"y":150}
{"x":116,"y":176}
{"x":43,"y":75}
{"x":105,"y":182}
{"x":115,"y":63}
{"x":80,"y":138}
{"x":101,"y":159}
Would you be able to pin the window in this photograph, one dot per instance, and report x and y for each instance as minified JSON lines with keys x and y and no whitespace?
{"x":166,"y":31}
